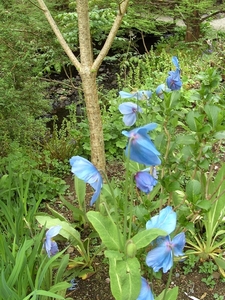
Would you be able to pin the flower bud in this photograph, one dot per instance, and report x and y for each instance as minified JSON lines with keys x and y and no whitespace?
{"x":131,"y":249}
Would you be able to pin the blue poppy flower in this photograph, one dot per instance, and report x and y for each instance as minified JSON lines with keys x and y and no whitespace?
{"x":145,"y":293}
{"x":160,"y":89}
{"x":129,"y":110}
{"x":50,"y":245}
{"x":145,"y":181}
{"x":140,"y":147}
{"x":173,"y":80}
{"x":165,"y":220}
{"x":139,"y":95}
{"x":162,"y":255}
{"x":87,"y":172}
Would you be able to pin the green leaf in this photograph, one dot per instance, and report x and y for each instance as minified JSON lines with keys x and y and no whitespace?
{"x":204,"y":204}
{"x":187,"y":139}
{"x":80,"y":188}
{"x":107,"y":230}
{"x":60,"y":286}
{"x":113,"y":254}
{"x":193,"y":190}
{"x":170,"y":295}
{"x":67,"y":230}
{"x":220,"y":262}
{"x":145,"y":237}
{"x":220,"y":135}
{"x":125,"y":278}
{"x":212,"y":112}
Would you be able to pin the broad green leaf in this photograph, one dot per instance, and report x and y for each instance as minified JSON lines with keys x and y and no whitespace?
{"x":220,"y":135}
{"x":187,"y":139}
{"x":108,"y":231}
{"x":114,"y":254}
{"x":170,"y":295}
{"x":193,"y":190}
{"x":212,"y":112}
{"x":204,"y":204}
{"x":67,"y":230}
{"x":125,"y":278}
{"x":145,"y":237}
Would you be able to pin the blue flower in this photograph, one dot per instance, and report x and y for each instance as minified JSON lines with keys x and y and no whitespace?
{"x":50,"y":245}
{"x":145,"y":181}
{"x":129,"y":110}
{"x":165,"y":220}
{"x":87,"y":172}
{"x":173,"y":80}
{"x":140,"y":95}
{"x":160,"y":89}
{"x":145,"y":293}
{"x":162,"y":255}
{"x":140,"y":147}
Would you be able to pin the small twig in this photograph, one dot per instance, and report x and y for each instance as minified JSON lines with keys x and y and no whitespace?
{"x":143,"y":41}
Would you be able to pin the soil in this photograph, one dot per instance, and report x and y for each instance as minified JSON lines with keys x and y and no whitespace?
{"x":97,"y":285}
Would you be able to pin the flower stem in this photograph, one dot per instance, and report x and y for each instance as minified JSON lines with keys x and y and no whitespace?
{"x":168,"y":283}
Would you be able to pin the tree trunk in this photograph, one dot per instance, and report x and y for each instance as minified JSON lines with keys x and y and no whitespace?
{"x":193,"y":27}
{"x":88,"y":69}
{"x":88,"y":77}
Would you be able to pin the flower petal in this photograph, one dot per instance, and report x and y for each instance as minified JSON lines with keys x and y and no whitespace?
{"x":160,"y":257}
{"x":129,"y":119}
{"x":145,"y":293}
{"x":141,"y":148}
{"x":175,"y":61}
{"x":87,"y":172}
{"x":53,"y":231}
{"x":127,"y":107}
{"x":145,"y":181}
{"x":178,"y":243}
{"x":165,"y":220}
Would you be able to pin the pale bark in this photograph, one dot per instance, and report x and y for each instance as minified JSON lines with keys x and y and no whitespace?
{"x":87,"y":69}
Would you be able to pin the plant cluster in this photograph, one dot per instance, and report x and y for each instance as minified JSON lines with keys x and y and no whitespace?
{"x":177,"y":170}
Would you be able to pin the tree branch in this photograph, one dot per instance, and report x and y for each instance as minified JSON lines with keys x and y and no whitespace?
{"x":59,"y":36}
{"x":212,"y":14}
{"x":108,"y":43}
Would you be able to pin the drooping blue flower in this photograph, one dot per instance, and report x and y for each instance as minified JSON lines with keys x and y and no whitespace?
{"x":129,"y":110}
{"x":160,"y":89}
{"x":50,"y":245}
{"x":165,"y":220}
{"x":173,"y":80}
{"x":162,"y":256}
{"x":87,"y":172}
{"x":140,"y":147}
{"x":139,"y":95}
{"x":145,"y":181}
{"x":145,"y":293}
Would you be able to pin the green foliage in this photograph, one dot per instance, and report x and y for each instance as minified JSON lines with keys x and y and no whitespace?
{"x":25,"y":271}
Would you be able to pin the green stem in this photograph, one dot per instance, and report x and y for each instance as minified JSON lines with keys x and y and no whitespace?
{"x":168,"y":283}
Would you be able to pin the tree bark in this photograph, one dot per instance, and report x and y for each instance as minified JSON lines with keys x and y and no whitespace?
{"x":87,"y":69}
{"x":88,"y":77}
{"x":193,"y":27}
